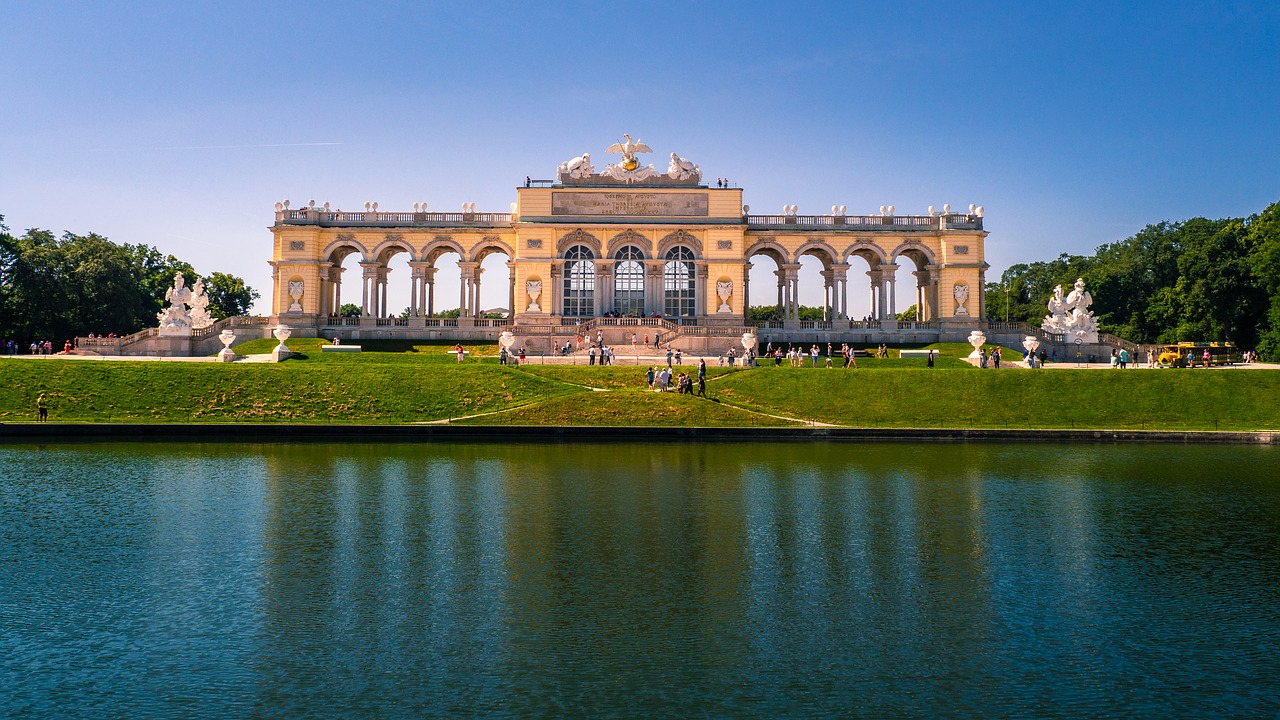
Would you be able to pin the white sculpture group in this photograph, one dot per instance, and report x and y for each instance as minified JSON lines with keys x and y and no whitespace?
{"x":629,"y":170}
{"x":188,"y":309}
{"x":1070,"y":315}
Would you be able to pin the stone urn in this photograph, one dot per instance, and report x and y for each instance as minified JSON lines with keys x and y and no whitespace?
{"x":506,"y":340}
{"x":227,"y":354}
{"x":749,"y":343}
{"x":282,"y":333}
{"x":977,"y":339}
{"x":1031,"y":343}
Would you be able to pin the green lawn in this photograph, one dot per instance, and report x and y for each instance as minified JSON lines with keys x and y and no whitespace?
{"x":421,"y":383}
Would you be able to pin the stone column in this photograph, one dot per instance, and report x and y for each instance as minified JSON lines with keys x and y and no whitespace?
{"x":840,"y":278}
{"x":887,"y":283}
{"x":476,"y":309}
{"x":782,"y":297}
{"x":655,"y":290}
{"x":828,"y":293}
{"x":335,"y":285}
{"x":982,"y":294}
{"x":922,"y":292}
{"x":417,"y":270}
{"x":874,"y":308}
{"x":369,"y":289}
{"x":382,"y":291}
{"x":700,"y":274}
{"x":322,"y":292}
{"x":557,"y":287}
{"x":466,"y":290}
{"x":604,"y":287}
{"x":746,"y":293}
{"x":429,"y":275}
{"x":935,"y":277}
{"x":792,"y":273}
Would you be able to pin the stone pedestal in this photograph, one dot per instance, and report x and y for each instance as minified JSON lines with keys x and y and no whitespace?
{"x":173,"y":346}
{"x":280,"y":352}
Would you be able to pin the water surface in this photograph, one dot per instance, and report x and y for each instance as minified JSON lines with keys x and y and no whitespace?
{"x":647,"y":580}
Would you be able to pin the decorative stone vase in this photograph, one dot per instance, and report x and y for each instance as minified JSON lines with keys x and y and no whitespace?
{"x":1031,"y":343}
{"x":227,"y":354}
{"x":282,"y":333}
{"x":977,"y":339}
{"x":749,"y":341}
{"x":534,"y":288}
{"x":724,"y":289}
{"x":295,"y":293}
{"x":506,"y":340}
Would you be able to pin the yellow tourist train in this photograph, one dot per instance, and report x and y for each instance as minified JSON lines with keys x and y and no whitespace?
{"x":1191,"y":354}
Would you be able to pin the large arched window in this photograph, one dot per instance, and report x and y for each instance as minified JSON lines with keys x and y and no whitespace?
{"x":628,"y":282}
{"x":579,"y":282}
{"x":678,"y":285}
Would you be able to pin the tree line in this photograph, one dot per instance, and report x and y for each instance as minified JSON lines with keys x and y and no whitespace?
{"x":1194,"y":280}
{"x":61,"y":287}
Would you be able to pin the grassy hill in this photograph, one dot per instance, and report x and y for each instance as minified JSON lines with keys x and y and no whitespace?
{"x":421,"y":382}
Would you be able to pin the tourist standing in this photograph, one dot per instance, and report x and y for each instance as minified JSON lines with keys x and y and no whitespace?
{"x":42,"y":408}
{"x":591,"y":356}
{"x":995,"y":357}
{"x":929,"y":359}
{"x":649,"y":376}
{"x":461,"y":353}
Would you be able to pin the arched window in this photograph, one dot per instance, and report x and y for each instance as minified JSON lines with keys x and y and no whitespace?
{"x":678,"y":285}
{"x":579,"y":282}
{"x":628,"y":282}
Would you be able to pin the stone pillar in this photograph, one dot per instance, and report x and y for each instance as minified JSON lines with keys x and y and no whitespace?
{"x":429,"y":275}
{"x":382,"y":291}
{"x":654,"y":288}
{"x":604,"y":288}
{"x":700,"y":273}
{"x":982,"y":294}
{"x":557,"y":287}
{"x":511,"y":291}
{"x":887,"y":283}
{"x":417,"y":297}
{"x":466,"y":291}
{"x":922,"y":292}
{"x":782,"y":298}
{"x":828,"y":293}
{"x":746,"y":293}
{"x":792,"y":274}
{"x":840,"y":280}
{"x":369,"y":289}
{"x":323,"y":293}
{"x":335,"y":285}
{"x":476,"y":309}
{"x":935,"y":277}
{"x":874,"y":308}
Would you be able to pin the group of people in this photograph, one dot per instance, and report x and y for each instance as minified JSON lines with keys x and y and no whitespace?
{"x":796,"y":355}
{"x":659,"y":379}
{"x":994,"y":357}
{"x":511,"y":358}
{"x":38,"y":347}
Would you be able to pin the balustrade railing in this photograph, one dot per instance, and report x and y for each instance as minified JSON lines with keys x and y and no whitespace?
{"x":326,"y":217}
{"x":870,"y":222}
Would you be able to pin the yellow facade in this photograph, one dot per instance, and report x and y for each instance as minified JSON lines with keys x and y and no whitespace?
{"x":696,"y":238}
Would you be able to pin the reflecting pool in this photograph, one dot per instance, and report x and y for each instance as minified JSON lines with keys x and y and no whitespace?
{"x":639,"y":580}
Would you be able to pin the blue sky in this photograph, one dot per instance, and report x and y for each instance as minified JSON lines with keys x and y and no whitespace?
{"x":179,"y":125}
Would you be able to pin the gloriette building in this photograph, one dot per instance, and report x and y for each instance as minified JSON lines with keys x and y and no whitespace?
{"x":624,"y":246}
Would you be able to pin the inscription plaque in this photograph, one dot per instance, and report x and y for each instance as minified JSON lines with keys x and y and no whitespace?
{"x":630,"y":204}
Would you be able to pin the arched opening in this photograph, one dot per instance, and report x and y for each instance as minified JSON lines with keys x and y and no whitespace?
{"x":395,"y":283}
{"x":344,"y":296}
{"x":497,"y":293}
{"x":579,"y":282}
{"x":912,"y":291}
{"x":443,"y":278}
{"x":679,"y":283}
{"x":765,"y":292}
{"x":628,"y":282}
{"x":817,"y":293}
{"x":863,"y":266}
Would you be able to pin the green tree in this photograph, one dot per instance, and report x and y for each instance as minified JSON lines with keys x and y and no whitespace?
{"x":349,"y":310}
{"x":228,"y":295}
